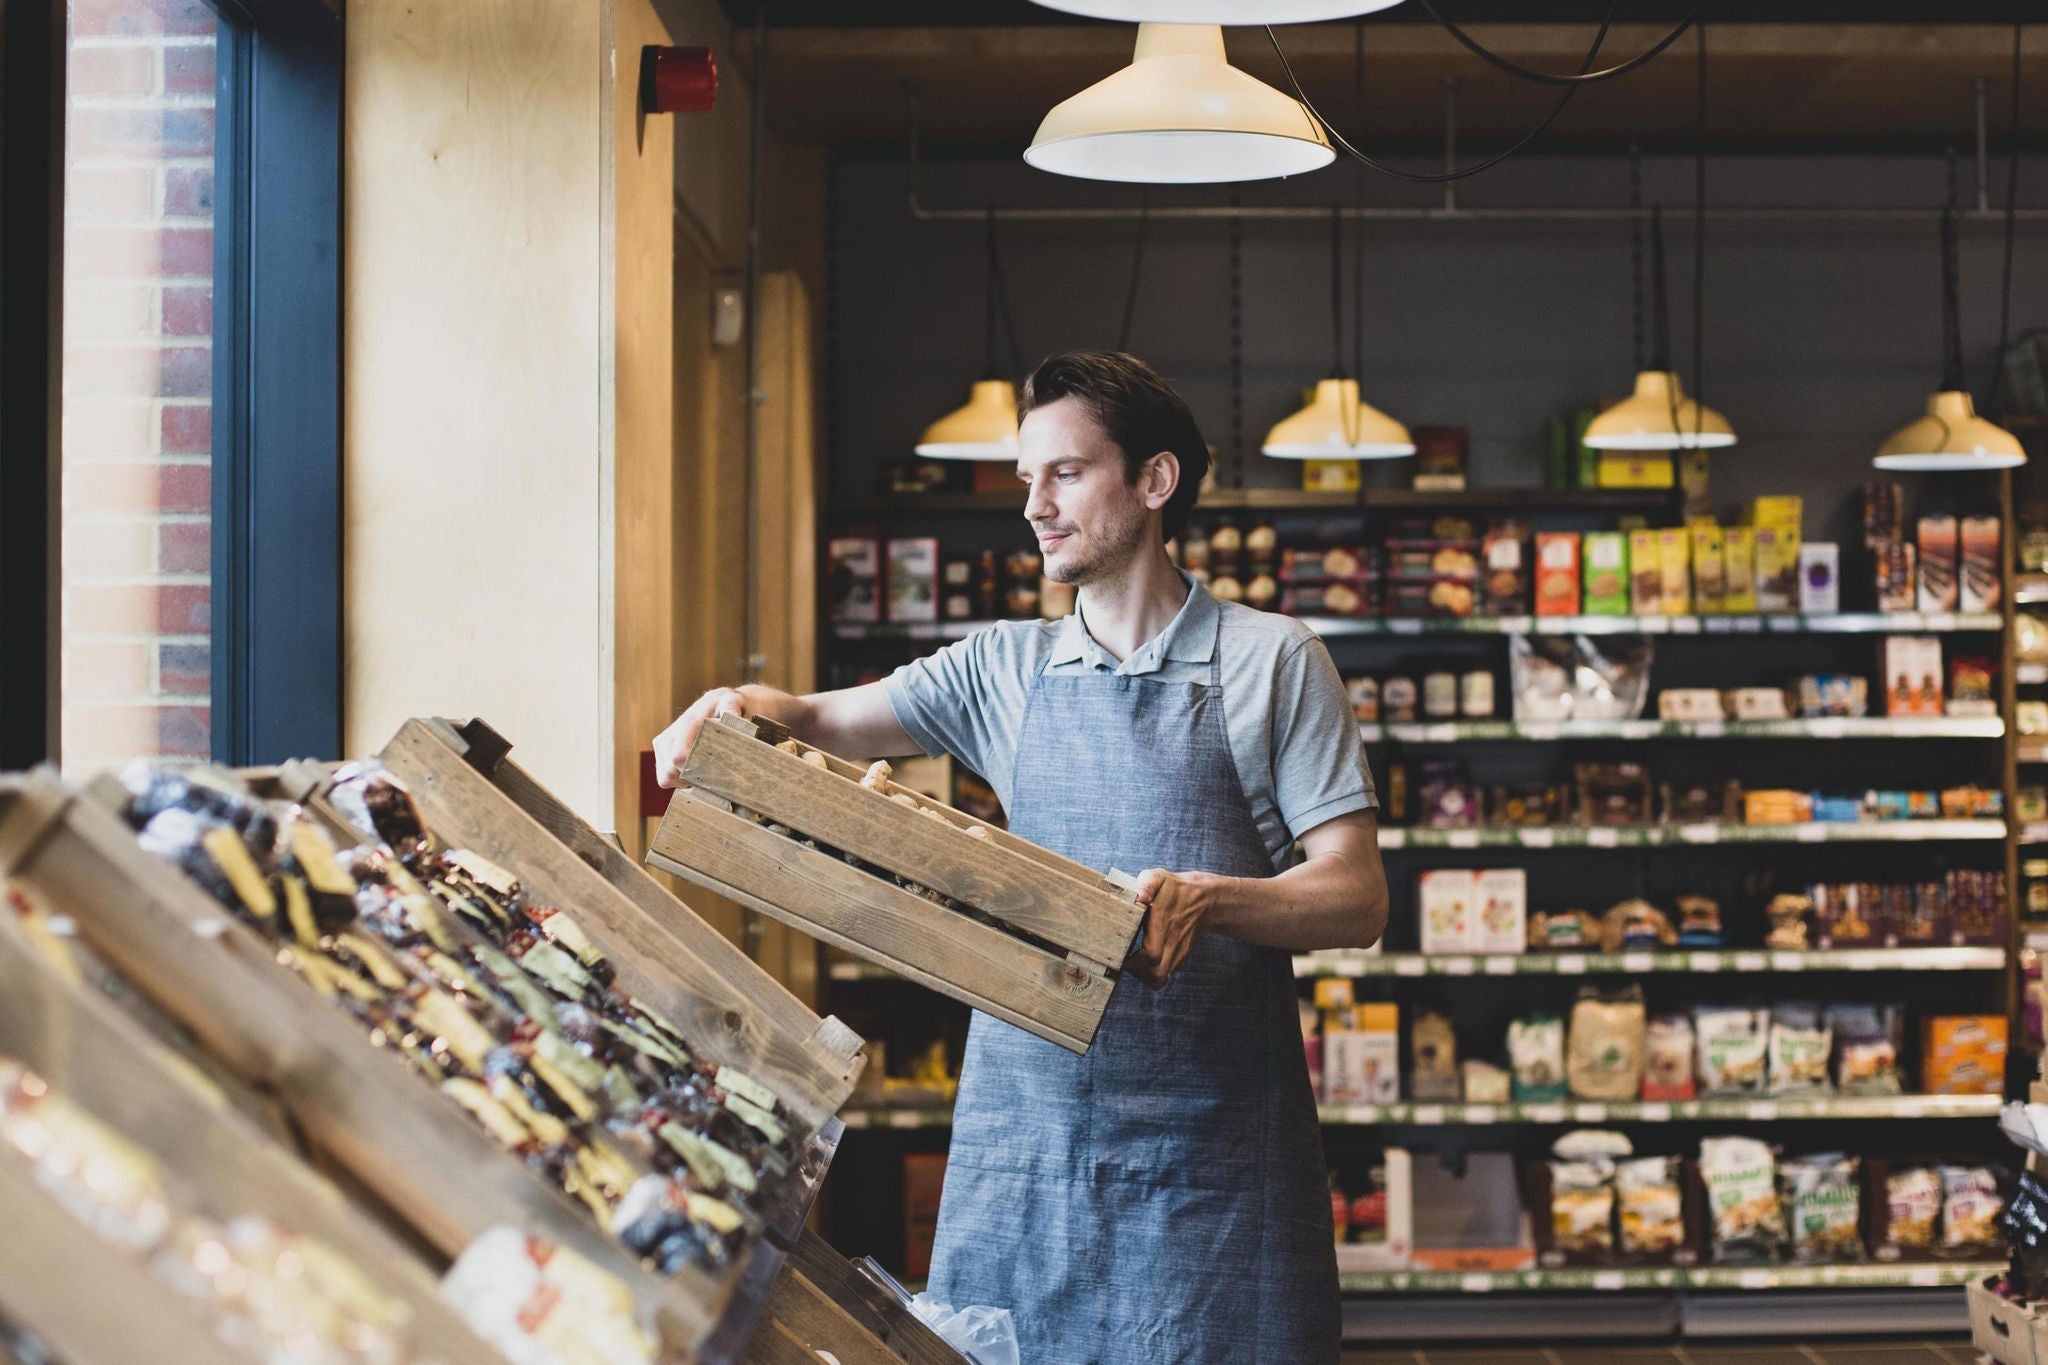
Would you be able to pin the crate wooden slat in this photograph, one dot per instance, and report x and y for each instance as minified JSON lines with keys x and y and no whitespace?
{"x":413,"y":1149}
{"x":1038,"y":893}
{"x":973,"y":962}
{"x":107,"y":1064}
{"x":732,"y":1011}
{"x":876,"y":1309}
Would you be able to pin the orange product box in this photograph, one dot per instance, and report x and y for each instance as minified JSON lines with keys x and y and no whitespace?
{"x":1963,"y":1054}
{"x":1557,"y":573}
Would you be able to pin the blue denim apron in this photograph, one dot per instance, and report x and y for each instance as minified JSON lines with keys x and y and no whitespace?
{"x":1163,"y":1198}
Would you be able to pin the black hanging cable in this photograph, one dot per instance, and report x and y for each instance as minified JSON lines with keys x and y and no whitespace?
{"x":1660,"y":304}
{"x":1635,"y":251}
{"x":1337,"y":139}
{"x":1236,"y":344}
{"x":990,"y":308}
{"x":1699,"y":236}
{"x":1584,"y":77}
{"x":1952,"y":374}
{"x":1123,"y":335}
{"x":1995,"y":403}
{"x":1358,"y":196}
{"x":999,"y":305}
{"x":1336,"y":292}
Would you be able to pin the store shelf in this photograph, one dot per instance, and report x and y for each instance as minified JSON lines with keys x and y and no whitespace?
{"x":1690,"y":961}
{"x":1758,"y":1109}
{"x":1652,"y":836}
{"x":1299,"y":500}
{"x":1339,"y":627}
{"x":1909,"y":1275}
{"x":1829,"y":727}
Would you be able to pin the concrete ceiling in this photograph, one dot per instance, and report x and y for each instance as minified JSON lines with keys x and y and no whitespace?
{"x":983,"y":87}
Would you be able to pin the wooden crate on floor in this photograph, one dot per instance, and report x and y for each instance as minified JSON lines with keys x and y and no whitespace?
{"x":1051,"y":964}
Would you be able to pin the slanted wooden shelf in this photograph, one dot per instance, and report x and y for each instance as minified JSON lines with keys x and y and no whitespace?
{"x":97,"y":1303}
{"x":1065,"y":929}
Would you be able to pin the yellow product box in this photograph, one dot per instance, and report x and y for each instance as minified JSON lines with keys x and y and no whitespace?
{"x":1709,"y":585}
{"x":1785,"y":512}
{"x":1362,"y":1064}
{"x":1333,"y":993}
{"x":1329,"y":476}
{"x":1646,"y":574}
{"x":1674,"y":557}
{"x":1635,"y":471}
{"x":1738,"y":569}
{"x":1777,"y":569}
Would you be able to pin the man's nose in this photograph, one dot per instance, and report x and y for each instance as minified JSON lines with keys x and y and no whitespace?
{"x":1037,"y":505}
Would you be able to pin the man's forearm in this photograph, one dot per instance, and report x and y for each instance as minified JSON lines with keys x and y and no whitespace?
{"x":793,"y":712}
{"x":1331,"y":900}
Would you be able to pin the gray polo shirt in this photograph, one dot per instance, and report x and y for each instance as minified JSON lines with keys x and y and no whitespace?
{"x":1289,"y":722}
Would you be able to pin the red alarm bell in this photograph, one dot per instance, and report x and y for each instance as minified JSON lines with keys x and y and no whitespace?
{"x":677,"y":80}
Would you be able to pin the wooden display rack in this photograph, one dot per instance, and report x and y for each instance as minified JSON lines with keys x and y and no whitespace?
{"x":107,"y":1064}
{"x":1071,"y":927}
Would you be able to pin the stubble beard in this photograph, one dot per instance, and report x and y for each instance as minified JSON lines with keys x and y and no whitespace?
{"x":1120,"y":544}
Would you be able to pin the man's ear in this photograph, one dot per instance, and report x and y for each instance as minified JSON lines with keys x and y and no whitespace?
{"x":1158,"y":479}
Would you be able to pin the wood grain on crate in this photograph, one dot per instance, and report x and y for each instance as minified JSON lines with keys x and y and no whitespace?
{"x":995,"y":972}
{"x":876,"y":1308}
{"x":108,"y":1064}
{"x":357,"y":1104}
{"x":1078,"y":912}
{"x":727,"y":1006}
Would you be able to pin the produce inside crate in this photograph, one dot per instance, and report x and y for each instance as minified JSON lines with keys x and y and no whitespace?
{"x":148,"y":1217}
{"x":538,"y":1097}
{"x":847,"y":855}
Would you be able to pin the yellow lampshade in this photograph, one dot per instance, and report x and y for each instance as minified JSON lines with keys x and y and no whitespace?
{"x":1337,"y":426}
{"x":1658,"y":416}
{"x":1220,"y":11}
{"x":985,"y":429}
{"x":1179,"y":114}
{"x":1950,"y":436}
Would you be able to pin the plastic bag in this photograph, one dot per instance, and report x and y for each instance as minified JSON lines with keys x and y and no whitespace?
{"x":986,"y":1336}
{"x":1570,"y":677}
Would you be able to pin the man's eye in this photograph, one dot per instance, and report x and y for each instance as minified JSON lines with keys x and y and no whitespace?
{"x":1069,"y":475}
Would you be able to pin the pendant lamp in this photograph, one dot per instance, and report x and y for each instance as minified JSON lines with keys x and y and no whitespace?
{"x":1950,"y":437}
{"x":986,"y":427}
{"x":1220,"y":11}
{"x":1336,"y":425}
{"x":1658,"y":415}
{"x":1180,"y":113}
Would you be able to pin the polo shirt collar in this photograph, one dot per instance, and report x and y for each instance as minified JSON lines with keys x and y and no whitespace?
{"x":1189,"y":638}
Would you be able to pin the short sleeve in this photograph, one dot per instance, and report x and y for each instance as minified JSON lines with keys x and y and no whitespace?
{"x":1319,"y":770}
{"x":956,"y":701}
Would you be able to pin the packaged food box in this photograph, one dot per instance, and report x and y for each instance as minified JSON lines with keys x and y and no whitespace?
{"x":1439,"y":458}
{"x":1433,"y":1048}
{"x":1446,"y":900}
{"x":1939,"y":590}
{"x":1756,"y":703}
{"x":1893,"y":565}
{"x":1444,"y":597}
{"x":914,"y":578}
{"x":853,"y":579}
{"x":1709,"y":584}
{"x":1557,"y":573}
{"x":1646,"y":574}
{"x":1978,"y":588}
{"x":1963,"y":1054}
{"x":1505,"y":588}
{"x":1912,"y":675}
{"x":1344,"y":564}
{"x":1328,"y":599}
{"x":1884,"y":513}
{"x":1428,"y":560}
{"x":1820,"y":573}
{"x":1738,"y":569}
{"x":1636,"y":471}
{"x":1674,"y":557}
{"x":1605,"y":556}
{"x":1362,"y":1064}
{"x":1776,"y":807}
{"x":1786,"y":512}
{"x":1502,"y":897}
{"x":1777,"y":569}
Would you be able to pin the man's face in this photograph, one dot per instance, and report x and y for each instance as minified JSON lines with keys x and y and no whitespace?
{"x":1089,"y":520}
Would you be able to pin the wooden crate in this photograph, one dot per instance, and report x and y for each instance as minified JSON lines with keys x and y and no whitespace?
{"x":359,"y":1108}
{"x":98,"y":1304}
{"x":1069,"y":928}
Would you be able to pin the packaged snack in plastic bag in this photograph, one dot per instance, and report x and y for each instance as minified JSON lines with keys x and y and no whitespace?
{"x":1652,"y":1205}
{"x":1800,"y":1045}
{"x":1557,"y":677}
{"x":1825,"y":1201}
{"x":1731,"y":1044}
{"x":1970,"y":1205}
{"x":1912,"y":1207}
{"x":1866,"y":1039}
{"x":1604,"y":1058}
{"x":1536,"y":1057}
{"x":1667,"y":1058}
{"x":1582,"y":1206}
{"x":1742,"y":1198}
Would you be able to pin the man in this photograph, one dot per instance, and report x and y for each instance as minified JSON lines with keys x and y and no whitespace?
{"x":1162,"y":1198}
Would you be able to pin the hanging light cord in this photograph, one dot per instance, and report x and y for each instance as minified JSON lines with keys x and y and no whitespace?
{"x":1123,"y":334}
{"x":999,"y":305}
{"x":1635,"y":250}
{"x":1358,"y":196}
{"x":1995,"y":403}
{"x":1584,"y":77}
{"x":1336,"y":292}
{"x":1952,"y":375}
{"x":1699,"y":236}
{"x":1337,"y":138}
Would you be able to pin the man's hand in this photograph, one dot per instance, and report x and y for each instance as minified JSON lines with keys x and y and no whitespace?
{"x":672,"y":746}
{"x":1177,"y":903}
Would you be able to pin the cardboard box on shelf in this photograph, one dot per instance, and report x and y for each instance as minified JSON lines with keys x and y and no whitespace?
{"x":1786,"y":512}
{"x":1674,"y":557}
{"x":1636,"y":471}
{"x":1391,"y":1245}
{"x":1738,"y":569}
{"x":1912,"y":675}
{"x":1820,"y":574}
{"x":1963,"y":1054}
{"x":1978,"y":583}
{"x":1557,"y":573}
{"x":1502,"y":897}
{"x":1894,"y":566}
{"x":1362,"y":1064}
{"x":1446,"y":901}
{"x":1646,"y":574}
{"x":1938,"y":590}
{"x":1777,"y":569}
{"x":914,"y":578}
{"x":1709,"y":581}
{"x":853,"y":579}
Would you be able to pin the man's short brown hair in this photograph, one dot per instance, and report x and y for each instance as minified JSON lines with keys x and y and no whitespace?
{"x":1136,"y":409}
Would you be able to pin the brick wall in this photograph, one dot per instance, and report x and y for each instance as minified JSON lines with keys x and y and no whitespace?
{"x":138,"y":324}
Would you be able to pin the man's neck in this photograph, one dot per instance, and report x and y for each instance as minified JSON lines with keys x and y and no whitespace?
{"x":1124,"y":611}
